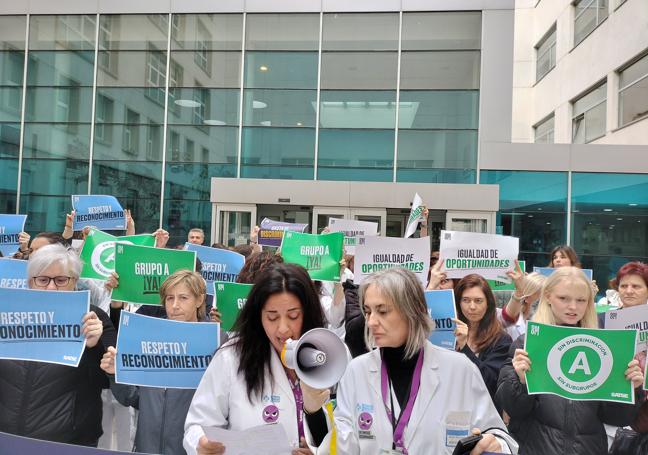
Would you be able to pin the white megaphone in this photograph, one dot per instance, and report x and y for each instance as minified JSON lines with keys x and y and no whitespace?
{"x":319,"y":358}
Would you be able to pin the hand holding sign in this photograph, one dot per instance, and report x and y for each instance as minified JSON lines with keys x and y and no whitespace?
{"x":108,"y":360}
{"x":92,"y":329}
{"x":436,"y":276}
{"x":521,"y":364}
{"x":461,"y":333}
{"x":634,"y":374}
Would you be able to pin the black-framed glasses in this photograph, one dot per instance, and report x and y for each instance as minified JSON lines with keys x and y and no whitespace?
{"x":59,"y":281}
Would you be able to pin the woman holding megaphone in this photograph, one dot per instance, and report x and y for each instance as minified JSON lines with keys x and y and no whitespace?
{"x":408,"y":396}
{"x":246,"y":384}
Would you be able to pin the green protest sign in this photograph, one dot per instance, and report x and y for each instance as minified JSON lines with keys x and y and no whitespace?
{"x":497,"y":285}
{"x":580,"y":364}
{"x":229,"y":298}
{"x":98,"y":252}
{"x":142,"y":270}
{"x":319,"y":254}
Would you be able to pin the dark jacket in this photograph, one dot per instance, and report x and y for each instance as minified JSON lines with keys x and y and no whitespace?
{"x":56,"y":402}
{"x":354,"y":320}
{"x":551,"y":425}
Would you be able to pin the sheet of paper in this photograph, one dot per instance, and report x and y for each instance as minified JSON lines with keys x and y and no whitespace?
{"x":260,"y":440}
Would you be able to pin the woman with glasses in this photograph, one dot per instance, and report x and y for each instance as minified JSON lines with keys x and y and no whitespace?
{"x":480,"y":335}
{"x":57,"y":402}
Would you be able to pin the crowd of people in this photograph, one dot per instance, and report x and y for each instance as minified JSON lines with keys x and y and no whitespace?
{"x":399,"y":394}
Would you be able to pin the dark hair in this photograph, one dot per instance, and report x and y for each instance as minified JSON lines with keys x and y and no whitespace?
{"x":631,"y":268}
{"x":245,"y":250}
{"x":252,"y":343}
{"x":52,"y":238}
{"x":566,"y":251}
{"x":489,"y":329}
{"x":219,"y":246}
{"x":255,"y":264}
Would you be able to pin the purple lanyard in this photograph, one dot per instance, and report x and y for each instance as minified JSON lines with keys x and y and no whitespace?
{"x":406,"y":413}
{"x":299,"y":405}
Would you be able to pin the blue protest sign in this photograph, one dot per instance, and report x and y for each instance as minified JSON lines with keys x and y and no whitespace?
{"x":12,"y":444}
{"x":13,"y":273}
{"x":101,"y":211}
{"x":157,"y":352}
{"x":546,"y":271}
{"x":44,"y":326}
{"x":10,"y":227}
{"x":217,"y":264}
{"x":442,"y":310}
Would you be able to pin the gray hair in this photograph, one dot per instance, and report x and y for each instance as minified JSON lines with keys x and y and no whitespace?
{"x":401,"y":288}
{"x":54,"y":254}
{"x":198,"y":230}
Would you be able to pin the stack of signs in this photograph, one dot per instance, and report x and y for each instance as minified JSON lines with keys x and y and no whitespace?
{"x":229,"y":299}
{"x":101,"y":211}
{"x":632,"y":318}
{"x":580,"y":364}
{"x":43,"y":326}
{"x":415,"y":216}
{"x":10,"y":228}
{"x":217,"y":264}
{"x":546,"y":271}
{"x":156,"y":352}
{"x":354,"y":231}
{"x":488,"y":255}
{"x":380,"y":253}
{"x":13,"y":273}
{"x":143,"y":269}
{"x":98,"y":252}
{"x":271,"y":232}
{"x":320,"y":254}
{"x":497,"y":285}
{"x":442,"y":310}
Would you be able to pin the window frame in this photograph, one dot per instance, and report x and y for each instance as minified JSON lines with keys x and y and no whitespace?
{"x":629,"y":85}
{"x":545,"y":38}
{"x":581,"y":116}
{"x":549,"y":117}
{"x":599,"y":21}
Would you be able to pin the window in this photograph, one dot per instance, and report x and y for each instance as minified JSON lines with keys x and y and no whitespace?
{"x":589,"y":14}
{"x":130,"y":138}
{"x":544,"y":131}
{"x":546,"y":54}
{"x":588,"y":120}
{"x":156,"y":70}
{"x":104,"y":118}
{"x":153,"y":133}
{"x":633,"y":91}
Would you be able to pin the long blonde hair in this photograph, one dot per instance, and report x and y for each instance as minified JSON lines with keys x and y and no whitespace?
{"x":572,"y":275}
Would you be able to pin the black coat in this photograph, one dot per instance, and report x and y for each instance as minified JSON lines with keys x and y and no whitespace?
{"x":491,"y":360}
{"x":551,"y":425}
{"x":56,"y":402}
{"x":354,"y":324}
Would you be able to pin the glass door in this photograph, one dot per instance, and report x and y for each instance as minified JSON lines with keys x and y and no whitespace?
{"x":232,"y":224}
{"x":374,"y":215}
{"x":321,"y":216}
{"x":483,"y":222}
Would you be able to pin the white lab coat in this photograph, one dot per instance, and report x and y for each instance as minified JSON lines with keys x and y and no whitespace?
{"x":452,"y":400}
{"x":221,"y":400}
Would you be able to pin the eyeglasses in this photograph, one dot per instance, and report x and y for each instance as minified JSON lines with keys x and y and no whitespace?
{"x":468,"y":300}
{"x":59,"y":281}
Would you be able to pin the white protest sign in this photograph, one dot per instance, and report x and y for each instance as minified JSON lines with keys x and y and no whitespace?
{"x":488,"y":255}
{"x":415,"y":216}
{"x":635,"y":317}
{"x":380,"y":253}
{"x":354,"y":231}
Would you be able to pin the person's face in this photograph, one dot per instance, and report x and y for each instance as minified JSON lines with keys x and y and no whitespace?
{"x":560,"y":260}
{"x":473,"y":305}
{"x":633,"y":290}
{"x":38,"y":242}
{"x":385,"y":322}
{"x":568,"y":301}
{"x":282,"y":318}
{"x":196,"y":238}
{"x":181,"y":304}
{"x":446,"y":283}
{"x":60,"y":279}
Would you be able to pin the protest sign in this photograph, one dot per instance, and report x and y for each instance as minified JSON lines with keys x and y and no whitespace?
{"x":442,"y":310}
{"x":488,"y":255}
{"x":101,"y":211}
{"x":414,"y":216}
{"x":13,"y":273}
{"x":354,"y":231}
{"x":379,"y":253}
{"x":143,"y":269}
{"x":98,"y":252}
{"x":546,"y":271}
{"x":156,"y":352}
{"x":497,"y":285}
{"x":632,"y":318}
{"x":320,"y":254}
{"x":217,"y":264}
{"x":43,"y":326}
{"x":10,"y":228}
{"x":271,"y":232}
{"x":229,"y":298}
{"x":12,"y":444}
{"x":580,"y":364}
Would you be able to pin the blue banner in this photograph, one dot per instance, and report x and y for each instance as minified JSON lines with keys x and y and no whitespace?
{"x":10,"y":227}
{"x":11,"y":444}
{"x":13,"y":273}
{"x":442,"y":310}
{"x":101,"y":211}
{"x":546,"y":271}
{"x":44,"y":326}
{"x":157,"y":352}
{"x":217,"y":264}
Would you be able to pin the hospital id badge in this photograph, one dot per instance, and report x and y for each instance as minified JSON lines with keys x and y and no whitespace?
{"x":457,"y":427}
